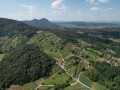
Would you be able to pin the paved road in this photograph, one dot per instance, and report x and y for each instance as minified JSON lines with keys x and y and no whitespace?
{"x":62,"y":58}
{"x":83,"y":83}
{"x":77,"y":80}
{"x":73,"y":83}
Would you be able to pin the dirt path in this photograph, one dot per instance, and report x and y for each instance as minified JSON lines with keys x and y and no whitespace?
{"x":69,"y":56}
{"x":77,"y":80}
{"x":73,"y":83}
{"x":83,"y":83}
{"x":44,"y":86}
{"x":62,"y":57}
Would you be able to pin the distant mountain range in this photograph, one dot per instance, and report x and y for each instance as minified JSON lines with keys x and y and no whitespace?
{"x":42,"y":23}
{"x":86,"y":23}
{"x":89,"y":25}
{"x":31,"y":56}
{"x":11,"y":27}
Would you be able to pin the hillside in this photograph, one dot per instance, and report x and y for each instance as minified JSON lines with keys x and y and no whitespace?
{"x":29,"y":59}
{"x":42,"y":23}
{"x":88,"y":25}
{"x":24,"y":64}
{"x":74,"y":51}
{"x":11,"y":27}
{"x":13,"y":32}
{"x":72,"y":58}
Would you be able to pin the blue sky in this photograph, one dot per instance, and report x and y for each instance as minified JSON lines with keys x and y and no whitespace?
{"x":61,"y":10}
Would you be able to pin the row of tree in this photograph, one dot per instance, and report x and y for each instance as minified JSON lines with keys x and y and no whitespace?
{"x":105,"y":74}
{"x":24,"y":64}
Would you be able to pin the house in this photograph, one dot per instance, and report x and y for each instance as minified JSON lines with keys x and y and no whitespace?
{"x":81,"y":60}
{"x":56,"y":63}
{"x":73,"y":60}
{"x":113,"y":57}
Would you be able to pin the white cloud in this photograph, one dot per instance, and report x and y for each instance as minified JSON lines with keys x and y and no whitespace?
{"x":97,"y":1}
{"x":91,"y":1}
{"x":58,"y":4}
{"x":31,"y":8}
{"x":25,"y":15}
{"x":100,"y":9}
{"x":59,"y":7}
{"x":58,"y":12}
{"x":108,"y":9}
{"x":104,"y":1}
{"x":29,"y":14}
{"x":94,"y":8}
{"x":79,"y":12}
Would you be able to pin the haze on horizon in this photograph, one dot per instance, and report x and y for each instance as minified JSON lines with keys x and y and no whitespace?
{"x":61,"y":10}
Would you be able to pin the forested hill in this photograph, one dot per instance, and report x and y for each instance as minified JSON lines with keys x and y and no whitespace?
{"x":24,"y":64}
{"x":21,"y":63}
{"x":13,"y":33}
{"x":43,"y":23}
{"x":74,"y":57}
{"x":11,"y":27}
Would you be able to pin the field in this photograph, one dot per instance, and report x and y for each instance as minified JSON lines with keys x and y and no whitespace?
{"x":85,"y":80}
{"x":76,"y":87}
{"x":27,"y":86}
{"x":78,"y":70}
{"x":58,"y":78}
{"x":1,"y":56}
{"x":90,"y":55}
{"x":99,"y":86}
{"x":70,"y":55}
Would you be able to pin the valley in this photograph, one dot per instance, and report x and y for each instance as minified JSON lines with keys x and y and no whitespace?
{"x":60,"y":45}
{"x":59,"y":59}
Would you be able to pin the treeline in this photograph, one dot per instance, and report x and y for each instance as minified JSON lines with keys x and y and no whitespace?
{"x":105,"y":74}
{"x":62,"y":85}
{"x":99,"y":39}
{"x":10,"y":28}
{"x":67,"y":35}
{"x":25,"y":64}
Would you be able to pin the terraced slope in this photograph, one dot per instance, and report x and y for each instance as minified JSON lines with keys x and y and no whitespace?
{"x":65,"y":54}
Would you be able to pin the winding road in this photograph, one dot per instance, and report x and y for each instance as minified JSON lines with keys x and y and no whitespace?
{"x":77,"y":80}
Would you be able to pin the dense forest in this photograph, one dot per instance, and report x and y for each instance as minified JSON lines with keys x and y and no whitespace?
{"x":105,"y":74}
{"x":11,"y":27}
{"x":24,"y":64}
{"x":67,"y":35}
{"x":27,"y":54}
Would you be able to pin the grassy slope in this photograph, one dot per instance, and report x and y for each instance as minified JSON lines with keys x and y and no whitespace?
{"x":98,"y":86}
{"x":85,"y":80}
{"x":9,"y":43}
{"x":27,"y":86}
{"x":1,"y":56}
{"x":57,"y":78}
{"x":51,"y":45}
{"x":76,"y":87}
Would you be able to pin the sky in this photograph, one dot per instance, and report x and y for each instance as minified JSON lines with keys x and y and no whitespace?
{"x":61,"y":10}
